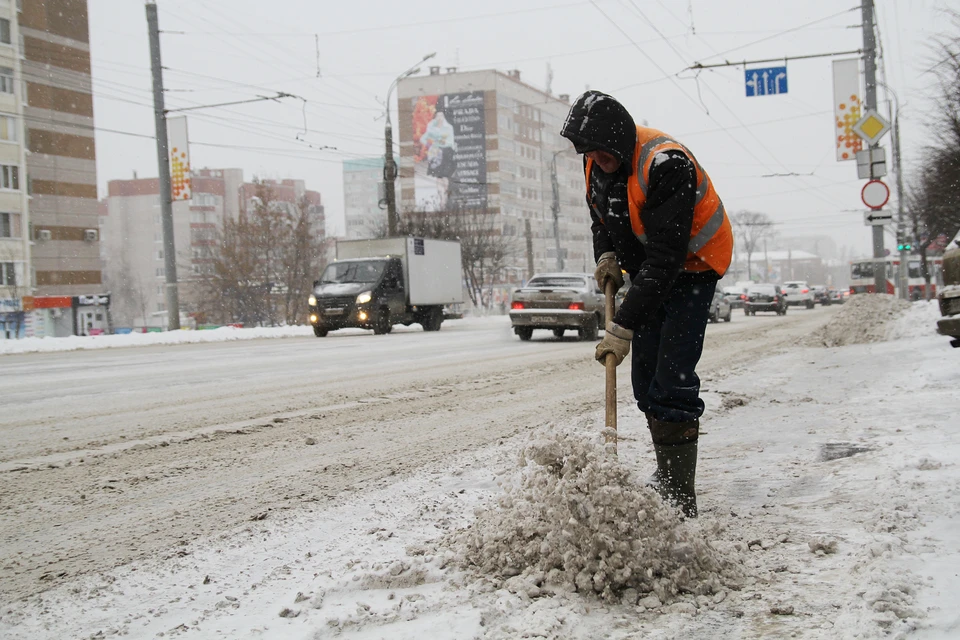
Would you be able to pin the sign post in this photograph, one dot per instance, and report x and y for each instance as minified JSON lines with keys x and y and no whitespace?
{"x":875,"y":194}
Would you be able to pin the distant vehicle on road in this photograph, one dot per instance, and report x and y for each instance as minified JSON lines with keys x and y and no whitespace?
{"x":862,"y":280}
{"x":798,"y":292}
{"x":734,"y":295}
{"x":836,"y":296}
{"x":720,"y":308}
{"x":765,"y":297}
{"x":820,"y":295}
{"x":375,"y":284}
{"x":558,"y":302}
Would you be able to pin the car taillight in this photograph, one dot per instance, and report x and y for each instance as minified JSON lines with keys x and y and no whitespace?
{"x":575,"y":306}
{"x":516,"y":305}
{"x":805,"y":291}
{"x":743,"y":296}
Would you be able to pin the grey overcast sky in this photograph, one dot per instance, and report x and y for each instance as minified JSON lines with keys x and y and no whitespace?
{"x":342,"y":56}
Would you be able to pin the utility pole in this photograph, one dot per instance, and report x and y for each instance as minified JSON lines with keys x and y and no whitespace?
{"x":555,"y":207}
{"x":870,"y":102}
{"x":163,"y":167}
{"x":389,"y":178}
{"x":529,"y":236}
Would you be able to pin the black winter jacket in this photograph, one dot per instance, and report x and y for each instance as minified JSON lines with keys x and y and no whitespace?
{"x":599,"y":121}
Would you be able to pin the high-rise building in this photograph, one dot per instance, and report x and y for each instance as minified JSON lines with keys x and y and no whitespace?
{"x":58,"y":109}
{"x":15,"y":284}
{"x":132,"y":235}
{"x":361,"y":197}
{"x":487,"y":141}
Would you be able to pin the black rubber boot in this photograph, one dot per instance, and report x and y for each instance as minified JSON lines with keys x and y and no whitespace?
{"x":675,"y":444}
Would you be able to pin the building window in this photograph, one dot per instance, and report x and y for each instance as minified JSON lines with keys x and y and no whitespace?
{"x":6,"y":80}
{"x":4,"y":31}
{"x":8,"y":128}
{"x":9,"y":176}
{"x":9,"y":225}
{"x":8,"y":276}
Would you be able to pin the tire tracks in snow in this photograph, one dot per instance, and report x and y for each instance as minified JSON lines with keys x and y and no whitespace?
{"x":77,"y":511}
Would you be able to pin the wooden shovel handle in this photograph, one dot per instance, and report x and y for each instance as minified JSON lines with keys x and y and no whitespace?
{"x":611,"y":365}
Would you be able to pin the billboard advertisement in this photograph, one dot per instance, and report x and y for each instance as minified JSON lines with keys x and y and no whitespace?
{"x":450,"y":151}
{"x":179,"y":159}
{"x":846,"y":107}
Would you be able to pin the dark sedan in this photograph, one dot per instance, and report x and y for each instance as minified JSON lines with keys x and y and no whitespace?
{"x":765,"y":297}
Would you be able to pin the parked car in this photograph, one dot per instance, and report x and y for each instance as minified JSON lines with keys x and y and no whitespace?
{"x":720,"y":308}
{"x":820,"y":294}
{"x":734,"y":295}
{"x":836,"y":296}
{"x":765,"y":297}
{"x":558,"y":302}
{"x":798,"y":292}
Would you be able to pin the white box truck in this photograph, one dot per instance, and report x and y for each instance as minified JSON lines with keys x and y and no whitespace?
{"x":375,"y":284}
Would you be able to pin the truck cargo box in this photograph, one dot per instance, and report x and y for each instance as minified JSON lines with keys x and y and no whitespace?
{"x":431,"y":268}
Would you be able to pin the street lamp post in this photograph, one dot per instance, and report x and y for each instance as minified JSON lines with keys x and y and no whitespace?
{"x":555,"y":206}
{"x":389,"y":166}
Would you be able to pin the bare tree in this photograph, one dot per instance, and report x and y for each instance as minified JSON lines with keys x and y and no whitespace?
{"x":753,"y":228}
{"x":300,"y":262}
{"x":129,"y":294}
{"x":934,"y":200}
{"x":262,"y":267}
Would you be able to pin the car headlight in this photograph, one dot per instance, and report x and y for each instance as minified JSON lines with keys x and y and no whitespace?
{"x":312,"y":301}
{"x":364,"y":297}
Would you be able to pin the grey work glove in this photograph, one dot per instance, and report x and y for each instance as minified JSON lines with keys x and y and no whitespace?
{"x":616,"y":340}
{"x":607,"y":267}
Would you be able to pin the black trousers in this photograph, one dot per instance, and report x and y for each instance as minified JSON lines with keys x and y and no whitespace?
{"x":666,"y":350}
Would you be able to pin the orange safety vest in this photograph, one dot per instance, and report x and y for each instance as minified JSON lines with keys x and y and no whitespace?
{"x":711,"y":236}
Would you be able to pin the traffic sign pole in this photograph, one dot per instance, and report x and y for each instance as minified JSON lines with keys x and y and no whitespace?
{"x":870,"y":103}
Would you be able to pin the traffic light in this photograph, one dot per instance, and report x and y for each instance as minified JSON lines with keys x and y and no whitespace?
{"x":904,"y":246}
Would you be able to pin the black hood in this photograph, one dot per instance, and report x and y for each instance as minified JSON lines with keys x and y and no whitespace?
{"x":598,"y":121}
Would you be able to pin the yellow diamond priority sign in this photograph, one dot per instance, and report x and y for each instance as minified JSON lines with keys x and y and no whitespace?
{"x":871,"y":127}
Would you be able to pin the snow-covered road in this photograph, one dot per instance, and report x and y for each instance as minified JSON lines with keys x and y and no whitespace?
{"x":200,"y":488}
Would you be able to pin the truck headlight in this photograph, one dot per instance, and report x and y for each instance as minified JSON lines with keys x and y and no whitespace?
{"x":364,"y":297}
{"x":312,"y":301}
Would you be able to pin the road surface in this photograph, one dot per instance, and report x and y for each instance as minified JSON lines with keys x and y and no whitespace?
{"x":118,"y":454}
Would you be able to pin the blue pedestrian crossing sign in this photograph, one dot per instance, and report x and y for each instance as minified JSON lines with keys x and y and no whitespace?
{"x":768,"y":81}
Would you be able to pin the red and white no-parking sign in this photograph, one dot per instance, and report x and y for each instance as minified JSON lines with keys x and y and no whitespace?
{"x":875,"y":194}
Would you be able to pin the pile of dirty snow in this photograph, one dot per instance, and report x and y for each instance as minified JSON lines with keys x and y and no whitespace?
{"x":863,"y":318}
{"x":573,"y":518}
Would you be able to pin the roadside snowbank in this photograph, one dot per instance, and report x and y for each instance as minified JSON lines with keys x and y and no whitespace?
{"x":223,"y":334}
{"x":864,"y":318}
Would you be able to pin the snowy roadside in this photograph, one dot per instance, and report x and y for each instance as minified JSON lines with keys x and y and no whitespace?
{"x":223,"y":334}
{"x":828,"y":478}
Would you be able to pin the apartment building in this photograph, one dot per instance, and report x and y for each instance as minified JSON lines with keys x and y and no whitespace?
{"x":487,"y":141}
{"x":132,"y":237}
{"x":14,"y":213}
{"x":362,"y":180}
{"x":54,"y":45}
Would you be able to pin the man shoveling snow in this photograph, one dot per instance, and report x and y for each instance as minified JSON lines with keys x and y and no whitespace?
{"x":656,"y":216}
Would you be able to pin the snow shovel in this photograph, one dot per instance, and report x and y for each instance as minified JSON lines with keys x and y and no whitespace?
{"x":610,"y":423}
